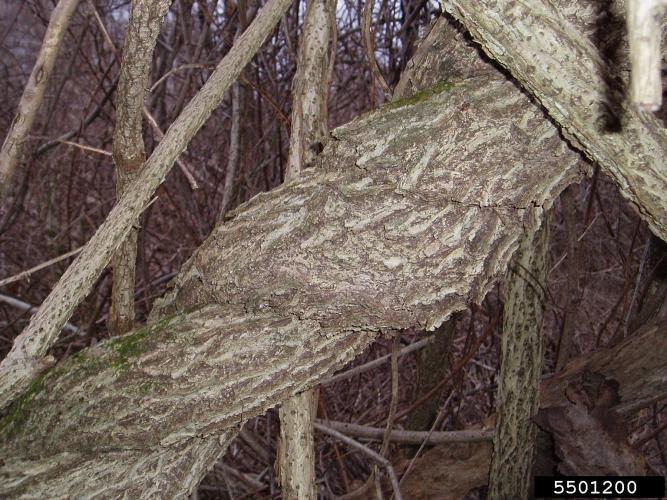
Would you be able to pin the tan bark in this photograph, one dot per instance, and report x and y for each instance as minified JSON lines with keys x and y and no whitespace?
{"x":410,"y":206}
{"x":309,"y":115}
{"x":296,"y":454}
{"x":296,"y":448}
{"x":26,"y":359}
{"x":128,"y":146}
{"x":644,"y":21}
{"x":14,"y":144}
{"x":541,"y":45}
{"x":522,"y":354}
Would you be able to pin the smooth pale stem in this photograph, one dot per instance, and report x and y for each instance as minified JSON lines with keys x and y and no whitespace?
{"x":643,"y":20}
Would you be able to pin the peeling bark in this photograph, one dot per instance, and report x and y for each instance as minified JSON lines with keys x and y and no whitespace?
{"x":413,"y":212}
{"x":410,"y":214}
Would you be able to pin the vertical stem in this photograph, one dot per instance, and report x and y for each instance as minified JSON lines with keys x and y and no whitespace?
{"x":296,"y":459}
{"x":644,"y":20}
{"x":128,"y":145}
{"x":520,"y":369}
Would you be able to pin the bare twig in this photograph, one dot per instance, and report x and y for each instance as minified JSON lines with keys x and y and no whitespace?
{"x":28,"y":272}
{"x":29,"y":308}
{"x":13,"y":146}
{"x":367,"y":451}
{"x":376,"y":362}
{"x":410,"y":437}
{"x":369,"y":45}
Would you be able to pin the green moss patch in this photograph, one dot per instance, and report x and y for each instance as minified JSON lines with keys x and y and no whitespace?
{"x":422,"y":95}
{"x":18,"y":413}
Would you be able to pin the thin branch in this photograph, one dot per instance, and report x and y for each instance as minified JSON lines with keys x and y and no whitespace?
{"x":28,"y":272}
{"x":14,"y":144}
{"x":367,"y":451}
{"x":377,"y":362}
{"x":411,"y":437}
{"x":29,"y":308}
{"x":369,"y":46}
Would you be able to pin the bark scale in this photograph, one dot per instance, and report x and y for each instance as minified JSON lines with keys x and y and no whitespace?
{"x":522,"y":354}
{"x":395,"y":211}
{"x":423,"y":226}
{"x":541,"y":45}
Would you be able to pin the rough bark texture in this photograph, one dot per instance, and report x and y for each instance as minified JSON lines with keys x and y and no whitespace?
{"x":414,"y":211}
{"x":522,"y":354}
{"x":13,"y":146}
{"x":309,"y":92}
{"x":644,"y":20}
{"x":26,"y":359}
{"x":411,"y":214}
{"x":296,"y":457}
{"x":296,"y":450}
{"x":540,"y":43}
{"x":128,"y":145}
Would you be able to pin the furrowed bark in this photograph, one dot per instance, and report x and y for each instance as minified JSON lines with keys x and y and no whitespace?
{"x":296,"y":451}
{"x":541,"y":44}
{"x":128,"y":145}
{"x":14,"y":144}
{"x":409,"y":214}
{"x":26,"y":359}
{"x":522,"y":353}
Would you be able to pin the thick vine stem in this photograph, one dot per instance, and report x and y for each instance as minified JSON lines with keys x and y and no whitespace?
{"x":408,"y":214}
{"x":540,"y":42}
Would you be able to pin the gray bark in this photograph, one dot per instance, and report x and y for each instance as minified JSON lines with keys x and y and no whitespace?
{"x":128,"y":145}
{"x":522,"y":353}
{"x":579,"y":88}
{"x":27,"y":358}
{"x":410,"y":214}
{"x":296,"y":451}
